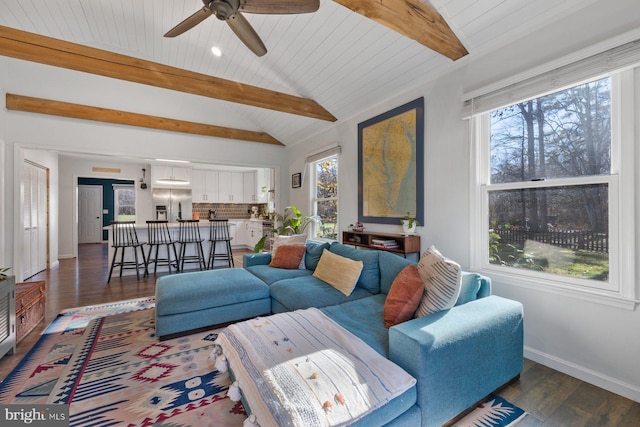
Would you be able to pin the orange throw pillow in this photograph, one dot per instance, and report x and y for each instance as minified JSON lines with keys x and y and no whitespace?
{"x":288,"y":256}
{"x":404,"y":296}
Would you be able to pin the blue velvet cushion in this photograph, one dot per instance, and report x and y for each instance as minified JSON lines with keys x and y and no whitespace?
{"x":469,"y":288}
{"x":313,"y":254}
{"x":370,"y":276}
{"x":364,"y":319}
{"x":390,"y":266}
{"x":304,"y":292}
{"x":270,"y":275}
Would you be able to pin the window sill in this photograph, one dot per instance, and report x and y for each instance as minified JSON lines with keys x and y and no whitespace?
{"x":611,"y":299}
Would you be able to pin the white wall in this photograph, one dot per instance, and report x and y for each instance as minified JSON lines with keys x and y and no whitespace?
{"x":113,"y":143}
{"x":74,"y":167}
{"x":595,"y":342}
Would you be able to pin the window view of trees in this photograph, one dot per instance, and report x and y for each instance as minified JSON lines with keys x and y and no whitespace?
{"x":561,"y":142}
{"x":326,"y":197}
{"x":125,"y":203}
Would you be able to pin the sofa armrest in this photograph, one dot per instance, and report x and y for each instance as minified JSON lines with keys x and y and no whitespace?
{"x":261,"y":258}
{"x":461,"y":355}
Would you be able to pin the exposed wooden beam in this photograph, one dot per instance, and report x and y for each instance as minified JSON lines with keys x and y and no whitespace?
{"x":46,"y":50}
{"x":78,"y":111}
{"x":413,"y":19}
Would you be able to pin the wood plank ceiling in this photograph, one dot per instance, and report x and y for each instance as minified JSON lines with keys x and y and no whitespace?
{"x":339,"y":58}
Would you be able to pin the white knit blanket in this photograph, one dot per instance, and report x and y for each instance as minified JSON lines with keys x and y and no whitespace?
{"x":303,"y":369}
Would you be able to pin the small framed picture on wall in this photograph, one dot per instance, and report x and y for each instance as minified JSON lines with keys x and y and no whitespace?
{"x":296,"y":180}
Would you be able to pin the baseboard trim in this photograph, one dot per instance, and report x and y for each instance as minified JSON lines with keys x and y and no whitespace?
{"x":598,"y":379}
{"x":54,"y":264}
{"x":65,"y":256}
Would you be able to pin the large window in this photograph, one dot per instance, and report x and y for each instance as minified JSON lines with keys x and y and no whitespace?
{"x":550,"y":179}
{"x":124,"y":197}
{"x":325,"y":197}
{"x":551,"y":212}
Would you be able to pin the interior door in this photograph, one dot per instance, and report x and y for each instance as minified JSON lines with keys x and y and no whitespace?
{"x":35,"y":191}
{"x":89,"y":213}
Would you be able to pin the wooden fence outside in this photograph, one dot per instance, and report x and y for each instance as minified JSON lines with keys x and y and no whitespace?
{"x":585,"y":240}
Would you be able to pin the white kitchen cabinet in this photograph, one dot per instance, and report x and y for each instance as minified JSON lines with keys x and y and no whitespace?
{"x":230,"y":187}
{"x":241,"y":234}
{"x":263,"y":184}
{"x":254,"y":233}
{"x":250,"y":187}
{"x":204,"y":186}
{"x":170,"y":177}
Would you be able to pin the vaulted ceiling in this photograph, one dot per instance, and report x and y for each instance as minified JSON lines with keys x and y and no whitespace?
{"x":339,"y":58}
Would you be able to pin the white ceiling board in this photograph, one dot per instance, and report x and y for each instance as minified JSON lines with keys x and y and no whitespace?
{"x":339,"y":58}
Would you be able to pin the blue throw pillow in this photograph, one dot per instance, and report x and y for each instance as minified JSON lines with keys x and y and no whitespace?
{"x":469,"y":288}
{"x":370,"y":276}
{"x":313,"y":254}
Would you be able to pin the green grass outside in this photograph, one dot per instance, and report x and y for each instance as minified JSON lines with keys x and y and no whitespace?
{"x":552,"y":259}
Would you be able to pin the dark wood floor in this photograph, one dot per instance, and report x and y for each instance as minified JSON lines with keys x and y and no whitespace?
{"x":552,"y":399}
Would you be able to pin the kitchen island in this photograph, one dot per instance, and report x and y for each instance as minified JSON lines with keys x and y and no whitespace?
{"x":245,"y":233}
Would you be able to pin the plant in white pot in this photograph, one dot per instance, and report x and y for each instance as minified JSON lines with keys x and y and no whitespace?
{"x":409,"y":224}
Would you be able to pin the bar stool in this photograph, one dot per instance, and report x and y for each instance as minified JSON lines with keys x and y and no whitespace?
{"x":159,"y":235}
{"x":189,"y":233}
{"x":124,"y":236}
{"x":219,"y":232}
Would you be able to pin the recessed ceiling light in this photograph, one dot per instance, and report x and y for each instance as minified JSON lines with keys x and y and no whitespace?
{"x":216,"y":51}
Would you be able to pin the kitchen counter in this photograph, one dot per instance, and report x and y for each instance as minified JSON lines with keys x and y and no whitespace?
{"x":244,"y":234}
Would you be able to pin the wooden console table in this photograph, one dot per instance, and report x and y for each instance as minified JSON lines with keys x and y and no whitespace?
{"x":30,"y":307}
{"x":397,"y":243}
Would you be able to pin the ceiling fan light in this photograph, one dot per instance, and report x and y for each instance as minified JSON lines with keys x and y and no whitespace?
{"x":216,"y":51}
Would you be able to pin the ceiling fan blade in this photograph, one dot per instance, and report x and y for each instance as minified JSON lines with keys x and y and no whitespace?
{"x":279,"y":7}
{"x":189,"y":22}
{"x":246,"y":33}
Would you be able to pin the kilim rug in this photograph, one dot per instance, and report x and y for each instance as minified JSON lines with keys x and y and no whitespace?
{"x":106,"y":362}
{"x":494,"y":412}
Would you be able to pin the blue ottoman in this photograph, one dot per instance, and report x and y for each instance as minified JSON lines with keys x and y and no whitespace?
{"x":190,"y":301}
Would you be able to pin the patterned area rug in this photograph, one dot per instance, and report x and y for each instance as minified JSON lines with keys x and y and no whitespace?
{"x":494,"y":412}
{"x":106,"y":362}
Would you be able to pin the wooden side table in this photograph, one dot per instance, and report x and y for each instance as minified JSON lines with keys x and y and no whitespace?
{"x":400,"y":244}
{"x":30,"y":307}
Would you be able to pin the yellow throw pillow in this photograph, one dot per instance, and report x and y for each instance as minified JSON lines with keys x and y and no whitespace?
{"x":340,"y":272}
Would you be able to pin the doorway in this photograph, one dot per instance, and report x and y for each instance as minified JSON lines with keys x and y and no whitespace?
{"x":89,"y":213}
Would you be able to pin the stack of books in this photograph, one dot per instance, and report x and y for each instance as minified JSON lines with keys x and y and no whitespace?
{"x":384,"y":244}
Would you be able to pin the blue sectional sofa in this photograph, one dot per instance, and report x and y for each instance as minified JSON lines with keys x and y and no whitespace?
{"x":458,"y":356}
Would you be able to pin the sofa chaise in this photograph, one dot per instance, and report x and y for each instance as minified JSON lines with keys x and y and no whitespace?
{"x":458,"y":356}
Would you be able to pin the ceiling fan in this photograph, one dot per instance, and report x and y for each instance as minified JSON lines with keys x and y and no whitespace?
{"x":229,"y":10}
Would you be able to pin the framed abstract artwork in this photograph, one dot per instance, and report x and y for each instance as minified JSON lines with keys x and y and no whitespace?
{"x":391,"y":165}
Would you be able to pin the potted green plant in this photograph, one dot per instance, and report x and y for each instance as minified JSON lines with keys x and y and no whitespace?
{"x":3,"y":271}
{"x":292,"y":221}
{"x":409,"y":224}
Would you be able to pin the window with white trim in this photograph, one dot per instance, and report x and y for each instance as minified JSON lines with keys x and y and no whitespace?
{"x":324,"y":173}
{"x":554,"y":177}
{"x":124,"y":200}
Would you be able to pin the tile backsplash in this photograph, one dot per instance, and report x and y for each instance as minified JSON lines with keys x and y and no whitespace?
{"x":228,"y":210}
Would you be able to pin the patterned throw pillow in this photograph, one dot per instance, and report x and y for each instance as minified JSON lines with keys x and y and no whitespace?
{"x":340,"y":272}
{"x":288,"y":256}
{"x":404,"y":296}
{"x":442,"y":282}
